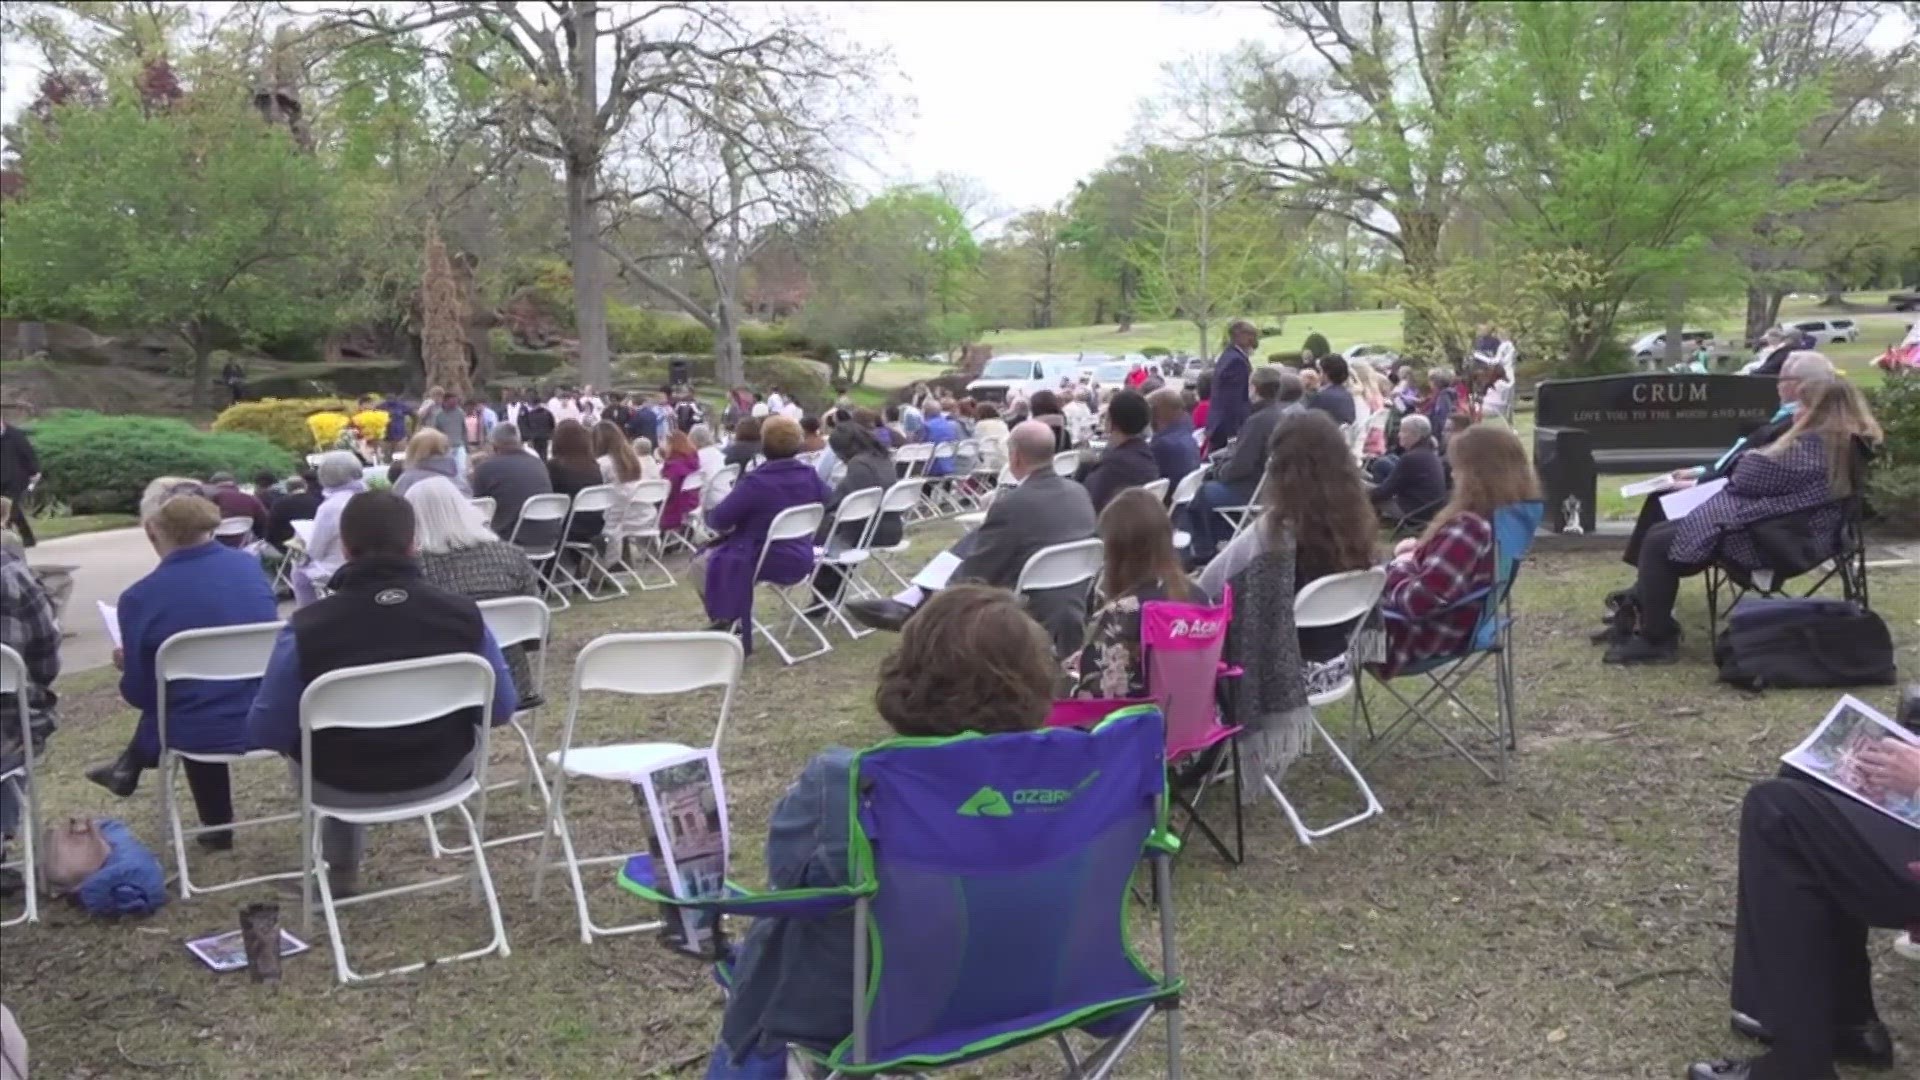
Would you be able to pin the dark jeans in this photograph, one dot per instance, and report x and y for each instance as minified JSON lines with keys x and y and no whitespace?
{"x":1208,"y":529}
{"x":1658,"y":584}
{"x":17,"y":518}
{"x":1816,"y":870}
{"x":540,"y":446}
{"x":1651,"y":514}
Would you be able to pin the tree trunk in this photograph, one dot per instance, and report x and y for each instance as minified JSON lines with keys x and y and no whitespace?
{"x":202,"y":353}
{"x":729,"y":367}
{"x":583,"y":167}
{"x":1762,"y":305}
{"x":1676,"y":326}
{"x":1201,"y":325}
{"x":1420,"y":251}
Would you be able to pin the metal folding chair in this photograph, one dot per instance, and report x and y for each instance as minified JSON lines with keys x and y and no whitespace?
{"x":693,"y":526}
{"x":1066,"y":462}
{"x":1242,"y":516}
{"x":639,"y":528}
{"x":211,"y":654}
{"x":1332,"y":601}
{"x":548,"y":516}
{"x":1060,"y":566}
{"x":900,"y":499}
{"x":400,"y":694}
{"x":1513,"y":529}
{"x":861,"y":508}
{"x":523,"y":621}
{"x":232,"y":527}
{"x":1157,"y":488}
{"x":13,"y":683}
{"x":486,"y":505}
{"x":645,"y":665}
{"x":599,"y":499}
{"x":1183,"y":495}
{"x":793,"y":523}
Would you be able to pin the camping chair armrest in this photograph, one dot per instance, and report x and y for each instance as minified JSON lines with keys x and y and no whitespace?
{"x":1475,"y":597}
{"x":637,"y":878}
{"x":1162,"y":842}
{"x":1229,"y":671}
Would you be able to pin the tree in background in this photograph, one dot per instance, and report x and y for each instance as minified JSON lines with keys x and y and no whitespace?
{"x":1105,"y":214}
{"x":443,"y":339}
{"x":1660,"y":141}
{"x":1208,"y":249}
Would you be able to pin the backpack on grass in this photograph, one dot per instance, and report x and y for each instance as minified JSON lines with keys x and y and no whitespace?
{"x":1787,"y":643}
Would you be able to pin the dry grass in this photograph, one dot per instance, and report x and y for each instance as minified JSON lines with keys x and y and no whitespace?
{"x":1573,"y":923}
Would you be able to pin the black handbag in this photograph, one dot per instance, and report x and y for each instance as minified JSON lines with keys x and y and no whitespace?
{"x":1787,"y":643}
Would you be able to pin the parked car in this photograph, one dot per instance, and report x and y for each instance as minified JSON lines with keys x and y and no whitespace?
{"x":1381,"y":357}
{"x":1651,"y":346}
{"x":1905,"y":300}
{"x":1023,"y":375}
{"x":1825,"y":330}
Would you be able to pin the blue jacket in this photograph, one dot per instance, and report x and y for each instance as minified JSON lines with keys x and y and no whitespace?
{"x":1175,"y":450}
{"x":941,"y":429}
{"x":1232,"y":400}
{"x":192,"y":589}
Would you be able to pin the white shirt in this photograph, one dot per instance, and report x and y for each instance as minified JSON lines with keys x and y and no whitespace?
{"x":775,"y":402}
{"x":1079,"y":419}
{"x":563,"y":409}
{"x":712,"y":460}
{"x":793,"y":412}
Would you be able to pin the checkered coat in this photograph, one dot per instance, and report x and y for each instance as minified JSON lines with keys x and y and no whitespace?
{"x":1760,"y":486}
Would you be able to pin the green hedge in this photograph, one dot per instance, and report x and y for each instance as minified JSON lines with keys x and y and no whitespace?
{"x":530,"y":363}
{"x":345,"y":379}
{"x":100,"y":464}
{"x":1153,"y":351}
{"x":635,"y":330}
{"x":1894,"y":488}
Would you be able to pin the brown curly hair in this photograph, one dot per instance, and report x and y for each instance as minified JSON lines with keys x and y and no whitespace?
{"x":970,"y":659}
{"x":1314,"y":491}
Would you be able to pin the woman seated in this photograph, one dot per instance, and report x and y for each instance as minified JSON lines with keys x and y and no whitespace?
{"x":868,"y":467}
{"x":712,"y":458}
{"x":1141,"y":567}
{"x":461,"y":554}
{"x":619,"y":466}
{"x":1045,"y":407}
{"x":199,"y":584}
{"x":1317,"y":522}
{"x":742,"y":520}
{"x":649,"y":465}
{"x":971,"y":660}
{"x":682,"y":461}
{"x":573,"y":469}
{"x":339,"y":474}
{"x":1817,"y":868}
{"x":429,"y":454}
{"x":992,"y":433}
{"x":1454,"y":557}
{"x":745,"y":445}
{"x":1813,"y":463}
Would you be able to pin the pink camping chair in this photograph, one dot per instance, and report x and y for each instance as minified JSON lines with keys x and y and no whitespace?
{"x":1182,"y":644}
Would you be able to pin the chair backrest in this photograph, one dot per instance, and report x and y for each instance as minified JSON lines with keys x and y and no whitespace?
{"x":1189,"y":487}
{"x":943,"y":451}
{"x":1357,"y":437}
{"x":1514,"y":526}
{"x":233,"y":526}
{"x":857,"y":507}
{"x":1060,"y":565}
{"x":597,"y":499}
{"x":1066,"y":462}
{"x":1338,"y":598}
{"x":1182,"y":644}
{"x":541,"y":511}
{"x":900,"y":498}
{"x":402,"y":693}
{"x":915,"y":456}
{"x":719,"y":486}
{"x":211,"y":654}
{"x":1002,"y":864}
{"x":657,"y":663}
{"x":516,"y":620}
{"x":13,"y":683}
{"x":1157,"y":488}
{"x":486,"y":505}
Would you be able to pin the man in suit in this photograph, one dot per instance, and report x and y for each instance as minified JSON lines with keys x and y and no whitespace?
{"x":1232,"y":379}
{"x":1275,"y":393}
{"x":1174,"y":450}
{"x":1042,"y":508}
{"x":1128,"y":460}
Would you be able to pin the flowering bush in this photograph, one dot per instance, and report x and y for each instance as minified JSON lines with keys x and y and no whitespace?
{"x":326,"y":428}
{"x":372,"y":424}
{"x":282,"y":420}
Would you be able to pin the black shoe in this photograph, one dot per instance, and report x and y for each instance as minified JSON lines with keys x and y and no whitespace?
{"x":11,"y":883}
{"x":215,"y":841}
{"x":1640,"y":649}
{"x":888,"y":615}
{"x":1722,"y":1069}
{"x":1869,"y":1045}
{"x":120,"y":776}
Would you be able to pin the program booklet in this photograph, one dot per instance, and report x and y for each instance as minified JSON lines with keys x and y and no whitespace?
{"x":228,"y":952}
{"x":1831,"y":755}
{"x":686,"y":804}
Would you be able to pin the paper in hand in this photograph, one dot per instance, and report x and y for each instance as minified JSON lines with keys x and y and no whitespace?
{"x":1680,"y":503}
{"x":111,"y":616}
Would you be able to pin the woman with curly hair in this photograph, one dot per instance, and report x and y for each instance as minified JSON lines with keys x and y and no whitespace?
{"x":971,"y":660}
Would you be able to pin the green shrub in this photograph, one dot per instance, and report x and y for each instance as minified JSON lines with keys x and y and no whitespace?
{"x":1153,"y":351}
{"x":530,"y":363}
{"x":1284,"y":358}
{"x":1894,"y":494}
{"x":1317,"y":344}
{"x":100,"y":464}
{"x":345,"y":379}
{"x":280,"y":421}
{"x":1896,"y":404}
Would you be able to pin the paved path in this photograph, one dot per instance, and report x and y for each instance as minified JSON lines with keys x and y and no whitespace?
{"x":104,"y":564}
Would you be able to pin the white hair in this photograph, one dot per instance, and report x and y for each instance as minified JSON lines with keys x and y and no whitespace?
{"x":701,"y":435}
{"x":1420,"y":426}
{"x":445,"y":520}
{"x":1807,"y":366}
{"x":337,"y":468}
{"x":164,"y":489}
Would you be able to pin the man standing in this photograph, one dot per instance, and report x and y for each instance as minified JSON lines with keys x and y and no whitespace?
{"x":1127,"y":461}
{"x":1231,"y":378}
{"x":1042,"y":508}
{"x":1274,"y":393}
{"x":398,"y":414}
{"x":19,"y":471}
{"x":378,"y":609}
{"x":1174,"y":450}
{"x":234,"y":378}
{"x":451,"y":420}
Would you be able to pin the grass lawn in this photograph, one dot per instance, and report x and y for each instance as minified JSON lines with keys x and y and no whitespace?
{"x":54,"y":528}
{"x":1575,"y":922}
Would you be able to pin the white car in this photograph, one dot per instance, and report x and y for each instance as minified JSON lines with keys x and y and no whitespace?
{"x":1826,"y":330}
{"x":1381,"y":357}
{"x":1650,"y":345}
{"x":1022,"y":376}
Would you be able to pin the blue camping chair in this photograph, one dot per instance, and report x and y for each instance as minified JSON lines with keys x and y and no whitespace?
{"x":988,"y":882}
{"x":1513,"y":528}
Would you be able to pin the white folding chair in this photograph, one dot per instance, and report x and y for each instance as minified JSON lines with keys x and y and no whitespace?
{"x":486,"y":505}
{"x":1183,"y":495}
{"x":296,"y":555}
{"x":1066,"y":462}
{"x":860,"y":508}
{"x":693,"y":525}
{"x":1331,"y":601}
{"x":548,"y":514}
{"x":212,"y":654}
{"x":1243,"y":516}
{"x":232,"y":527}
{"x":793,"y":523}
{"x":383,"y":697}
{"x":598,"y":499}
{"x":515,"y":620}
{"x":643,"y":665}
{"x":937,"y":493}
{"x":1157,"y":488}
{"x":13,"y":683}
{"x":639,"y":528}
{"x":900,"y":498}
{"x":963,"y":490}
{"x":1059,"y":566}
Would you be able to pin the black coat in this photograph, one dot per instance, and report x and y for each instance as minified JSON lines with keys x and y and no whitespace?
{"x":18,"y":462}
{"x":1127,"y":465}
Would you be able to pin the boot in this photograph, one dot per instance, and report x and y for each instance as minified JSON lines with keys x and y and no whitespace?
{"x":120,"y":776}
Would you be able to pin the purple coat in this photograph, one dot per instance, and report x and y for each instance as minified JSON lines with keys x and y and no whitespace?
{"x":744,"y":516}
{"x":1760,"y":486}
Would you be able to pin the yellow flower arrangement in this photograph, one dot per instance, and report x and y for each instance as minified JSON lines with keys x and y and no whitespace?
{"x":372,"y":424}
{"x":326,"y":428}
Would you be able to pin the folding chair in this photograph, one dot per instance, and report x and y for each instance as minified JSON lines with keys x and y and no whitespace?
{"x":1828,"y":539}
{"x":1513,"y":529}
{"x":1066,"y":462}
{"x":1157,"y":488}
{"x":899,"y":499}
{"x":939,"y":488}
{"x":860,"y":508}
{"x":213,"y":654}
{"x":987,"y":877}
{"x":486,"y":505}
{"x":13,"y":683}
{"x":400,"y":694}
{"x":639,"y":528}
{"x":1060,"y":566}
{"x":1331,"y":601}
{"x":598,"y":499}
{"x":283,"y":577}
{"x":962,"y":486}
{"x":693,"y":526}
{"x":793,"y":523}
{"x":1183,"y":495}
{"x":1242,"y":516}
{"x":515,"y":620}
{"x":232,"y":527}
{"x":642,"y":665}
{"x":549,"y":516}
